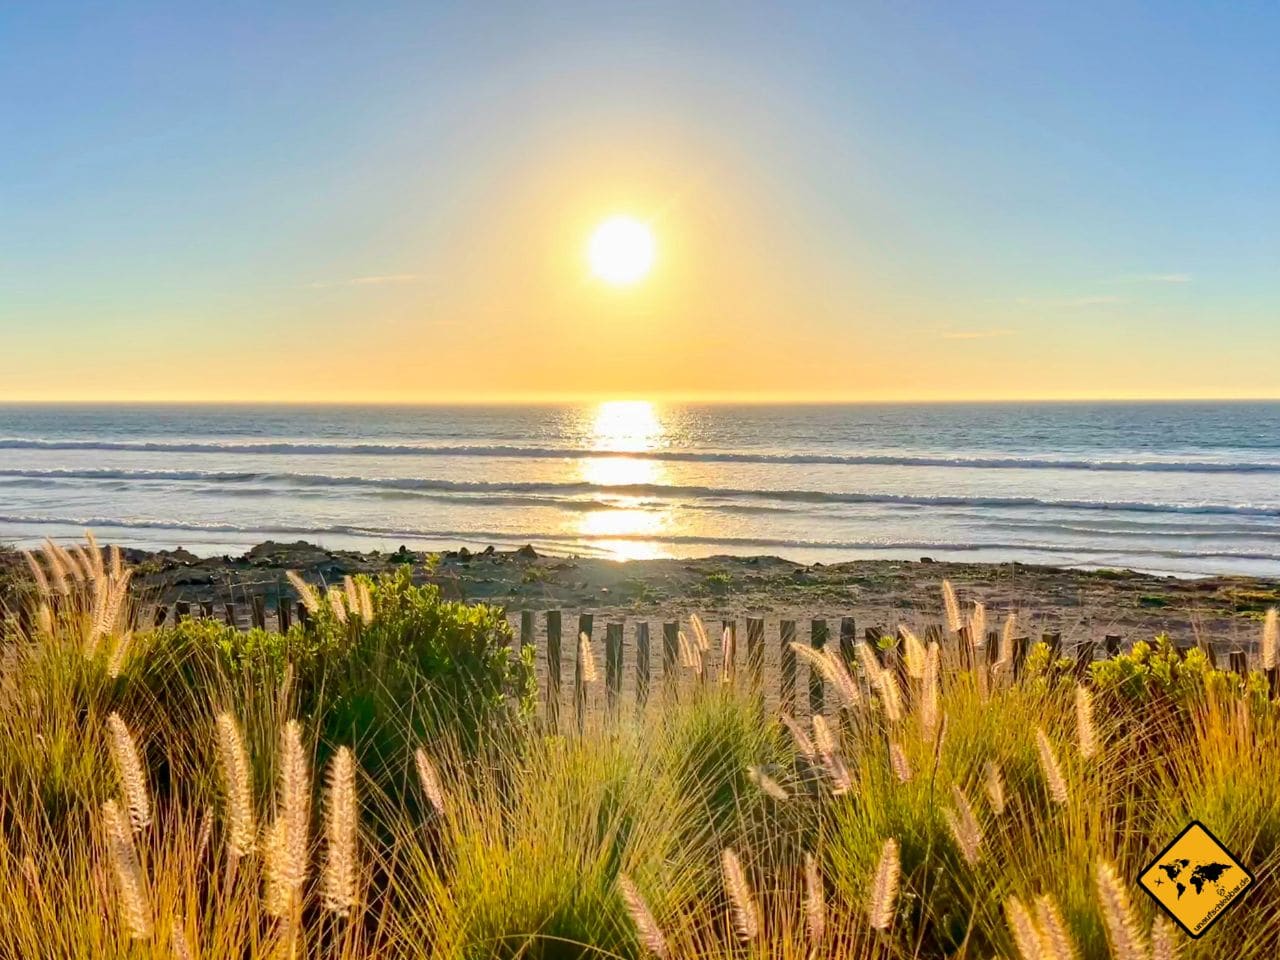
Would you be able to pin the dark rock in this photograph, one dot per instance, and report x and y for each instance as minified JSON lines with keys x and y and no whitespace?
{"x":527,"y":552}
{"x":464,"y":555}
{"x":488,"y":551}
{"x":926,"y":559}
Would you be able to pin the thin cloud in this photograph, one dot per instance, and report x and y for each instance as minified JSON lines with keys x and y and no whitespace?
{"x":975,"y":334}
{"x":386,"y":278}
{"x":379,"y":280}
{"x":1088,"y":300}
{"x":1156,"y":278}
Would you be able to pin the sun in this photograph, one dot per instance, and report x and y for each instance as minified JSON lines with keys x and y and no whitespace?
{"x":621,"y":250}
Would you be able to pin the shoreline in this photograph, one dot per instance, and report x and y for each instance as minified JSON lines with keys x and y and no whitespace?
{"x":1223,"y":610}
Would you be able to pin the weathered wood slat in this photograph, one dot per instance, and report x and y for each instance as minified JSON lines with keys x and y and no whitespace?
{"x":670,"y":650}
{"x":553,"y":669}
{"x":586,"y":622}
{"x":642,"y":662}
{"x":818,"y":640}
{"x":755,"y":652}
{"x":613,"y":664}
{"x":787,"y":665}
{"x":730,"y":647}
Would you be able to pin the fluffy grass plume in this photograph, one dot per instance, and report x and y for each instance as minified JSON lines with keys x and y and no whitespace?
{"x":1026,"y":936}
{"x":37,"y":573}
{"x":964,"y":826}
{"x":57,"y":567}
{"x":178,"y":942}
{"x":429,"y":780}
{"x":803,"y":742}
{"x":648,"y":932}
{"x":95,"y":555}
{"x":951,"y":606}
{"x":1123,"y":932}
{"x":338,"y":604}
{"x":1164,"y":945}
{"x":833,"y":670}
{"x":767,"y":784}
{"x":237,"y":786}
{"x":929,"y":692}
{"x":815,"y":901}
{"x":131,"y":887}
{"x":883,"y":898}
{"x":993,"y":784}
{"x":913,"y":653}
{"x":289,"y":839}
{"x":978,"y":624}
{"x":746,"y":915}
{"x":699,"y":633}
{"x":890,"y":696}
{"x":586,"y":659}
{"x":129,"y":770}
{"x":352,"y":593}
{"x":870,"y":662}
{"x":1050,"y":769}
{"x":306,"y":593}
{"x":1086,"y":730}
{"x":1271,"y":639}
{"x":898,"y":761}
{"x":1055,"y":938}
{"x":341,"y":825}
{"x":825,"y":741}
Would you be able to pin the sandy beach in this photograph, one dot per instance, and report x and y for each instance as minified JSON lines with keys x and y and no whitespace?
{"x":1079,"y":604}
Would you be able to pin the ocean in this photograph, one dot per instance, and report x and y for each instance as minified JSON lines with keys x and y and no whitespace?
{"x":1178,"y":488}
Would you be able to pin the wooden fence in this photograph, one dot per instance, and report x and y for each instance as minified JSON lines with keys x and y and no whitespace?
{"x":651,"y":667}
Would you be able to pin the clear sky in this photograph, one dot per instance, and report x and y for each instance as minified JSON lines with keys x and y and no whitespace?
{"x":862,"y":200}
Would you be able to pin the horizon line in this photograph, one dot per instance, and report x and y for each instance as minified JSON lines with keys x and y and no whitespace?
{"x":561,"y":399}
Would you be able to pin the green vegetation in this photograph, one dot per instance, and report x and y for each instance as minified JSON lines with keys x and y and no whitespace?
{"x":377,"y":785}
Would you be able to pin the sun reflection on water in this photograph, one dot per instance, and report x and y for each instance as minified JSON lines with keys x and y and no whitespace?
{"x":621,"y":427}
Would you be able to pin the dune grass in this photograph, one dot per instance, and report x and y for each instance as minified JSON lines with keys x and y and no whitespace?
{"x":376,"y":785}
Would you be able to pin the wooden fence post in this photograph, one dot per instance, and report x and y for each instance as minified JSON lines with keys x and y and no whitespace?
{"x":848,"y":634}
{"x":229,"y":613}
{"x":729,"y":669}
{"x":612,"y":664}
{"x":1084,"y":657}
{"x":670,"y":650}
{"x":259,"y":611}
{"x":1019,"y":655}
{"x":993,"y":647}
{"x":553,"y":669}
{"x":585,"y":624}
{"x":787,"y":665}
{"x":1111,"y":643}
{"x":206,"y":609}
{"x":817,"y":640}
{"x":642,"y":662}
{"x":964,"y":644}
{"x":755,"y":652}
{"x":526,"y":629}
{"x":1054,"y":642}
{"x":282,"y":613}
{"x":304,"y":615}
{"x":181,"y":611}
{"x":161,"y":612}
{"x":1239,"y":662}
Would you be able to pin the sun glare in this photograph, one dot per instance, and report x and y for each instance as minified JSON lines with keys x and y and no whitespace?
{"x":621,"y":250}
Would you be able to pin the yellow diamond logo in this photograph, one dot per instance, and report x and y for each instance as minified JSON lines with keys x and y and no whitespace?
{"x":1195,"y":879}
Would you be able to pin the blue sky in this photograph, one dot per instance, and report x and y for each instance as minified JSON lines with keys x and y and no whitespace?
{"x":869,"y":200}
